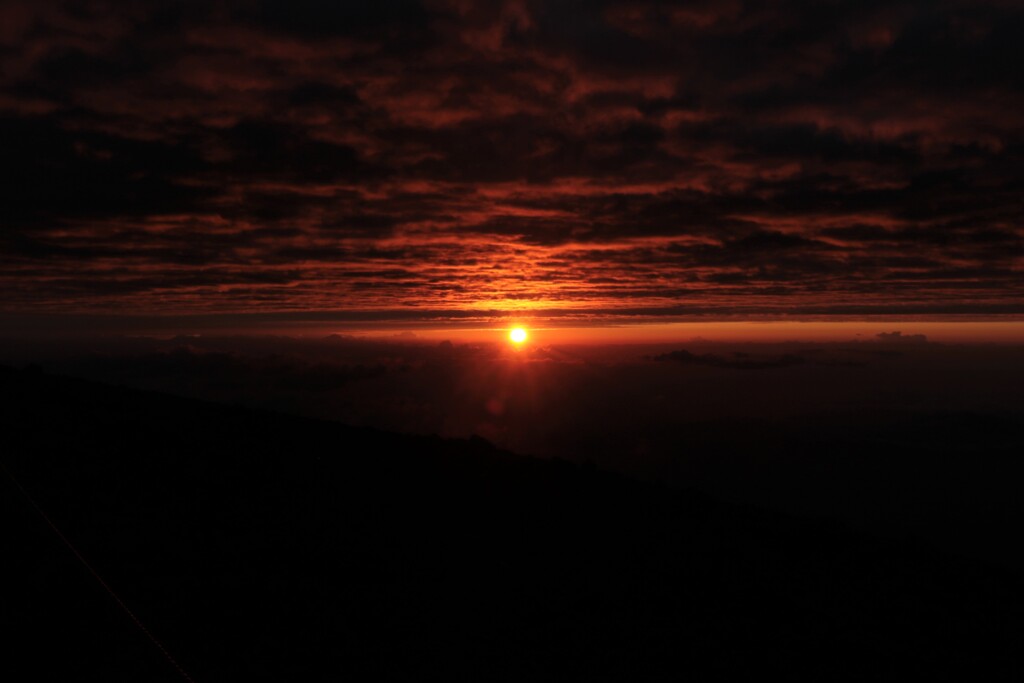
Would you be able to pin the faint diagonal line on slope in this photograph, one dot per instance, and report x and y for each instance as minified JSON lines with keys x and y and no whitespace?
{"x":131,"y":615}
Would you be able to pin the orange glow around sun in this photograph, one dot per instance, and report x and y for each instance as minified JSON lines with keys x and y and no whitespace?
{"x":517,"y":335}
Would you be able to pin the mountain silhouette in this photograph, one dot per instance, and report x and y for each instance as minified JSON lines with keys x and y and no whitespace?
{"x":263,"y":547}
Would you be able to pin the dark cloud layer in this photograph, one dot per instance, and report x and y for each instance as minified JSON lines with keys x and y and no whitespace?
{"x":738,"y":361}
{"x":722,"y":157}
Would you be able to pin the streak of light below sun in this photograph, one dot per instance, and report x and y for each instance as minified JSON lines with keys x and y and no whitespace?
{"x":517,"y":335}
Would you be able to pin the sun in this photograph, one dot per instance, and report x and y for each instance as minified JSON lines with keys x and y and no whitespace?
{"x":517,"y":335}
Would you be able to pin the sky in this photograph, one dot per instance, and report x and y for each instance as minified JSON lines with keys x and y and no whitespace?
{"x":580,"y":163}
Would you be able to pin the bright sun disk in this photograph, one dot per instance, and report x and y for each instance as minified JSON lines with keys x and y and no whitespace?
{"x":517,"y":335}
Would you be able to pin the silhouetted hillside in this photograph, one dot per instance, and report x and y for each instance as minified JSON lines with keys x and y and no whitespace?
{"x":258,"y":546}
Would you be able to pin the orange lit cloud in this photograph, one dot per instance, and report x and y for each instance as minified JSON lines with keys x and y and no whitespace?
{"x":466,"y":158}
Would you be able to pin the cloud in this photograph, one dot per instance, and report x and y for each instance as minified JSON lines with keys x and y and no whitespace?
{"x":900,"y":338}
{"x":186,"y":368}
{"x":223,"y":157}
{"x":737,"y":361}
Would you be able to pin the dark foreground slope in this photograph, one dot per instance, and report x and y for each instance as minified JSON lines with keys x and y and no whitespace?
{"x":264,"y":547}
